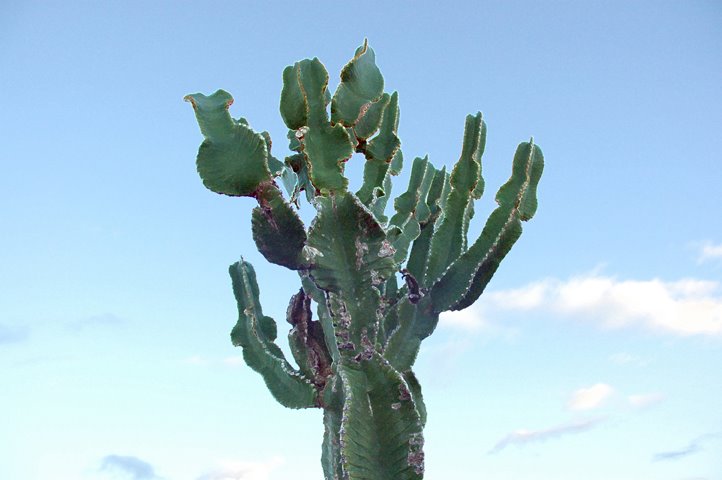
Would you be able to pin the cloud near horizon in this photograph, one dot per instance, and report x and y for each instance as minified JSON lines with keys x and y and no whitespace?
{"x":523,"y":436}
{"x":684,"y":307}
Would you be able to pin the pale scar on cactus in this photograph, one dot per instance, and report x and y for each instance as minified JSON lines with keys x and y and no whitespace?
{"x":378,"y":284}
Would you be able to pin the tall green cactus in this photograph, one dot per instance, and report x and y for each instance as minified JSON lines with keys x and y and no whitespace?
{"x":378,"y":284}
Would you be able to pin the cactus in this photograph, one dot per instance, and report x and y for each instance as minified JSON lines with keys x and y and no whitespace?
{"x":378,"y":284}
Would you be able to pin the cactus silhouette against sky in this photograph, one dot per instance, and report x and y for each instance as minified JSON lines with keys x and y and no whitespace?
{"x":378,"y":283}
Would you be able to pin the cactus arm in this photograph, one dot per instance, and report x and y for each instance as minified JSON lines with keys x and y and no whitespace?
{"x":307,"y":341}
{"x":466,"y":221}
{"x":277,"y":230}
{"x":298,"y":314}
{"x":326,"y":147}
{"x":418,"y":256}
{"x":369,"y":123}
{"x":408,"y":324}
{"x":350,"y":258}
{"x":448,"y":237}
{"x":475,"y":194}
{"x":480,"y":183}
{"x":333,"y":399}
{"x":384,"y":145}
{"x":361,"y":84}
{"x":289,"y":180}
{"x":294,"y":144}
{"x":415,"y":389}
{"x":381,"y":435}
{"x":255,"y":333}
{"x":411,"y":208}
{"x":465,"y":280}
{"x":233,"y":159}
{"x":380,"y":196}
{"x":297,"y":163}
{"x":380,"y":151}
{"x":275,"y":166}
{"x":293,"y":104}
{"x":324,"y":315}
{"x":415,"y":322}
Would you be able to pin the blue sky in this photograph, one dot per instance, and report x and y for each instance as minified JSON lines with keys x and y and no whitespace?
{"x":595,"y":353}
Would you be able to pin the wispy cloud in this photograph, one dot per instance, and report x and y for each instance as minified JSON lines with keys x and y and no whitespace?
{"x":128,"y":467}
{"x":13,"y":334}
{"x":523,"y":436}
{"x":709,"y":251}
{"x":684,"y":307}
{"x":693,"y":447}
{"x":234,"y":470}
{"x":644,"y":400}
{"x":591,"y":397}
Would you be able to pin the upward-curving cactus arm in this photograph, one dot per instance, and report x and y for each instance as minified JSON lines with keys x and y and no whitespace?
{"x":255,"y":333}
{"x":378,"y":284}
{"x":449,"y":235}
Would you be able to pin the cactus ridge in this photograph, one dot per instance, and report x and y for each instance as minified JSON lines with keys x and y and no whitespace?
{"x":378,"y":284}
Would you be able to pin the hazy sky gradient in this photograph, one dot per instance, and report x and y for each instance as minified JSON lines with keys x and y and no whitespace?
{"x":595,"y":352}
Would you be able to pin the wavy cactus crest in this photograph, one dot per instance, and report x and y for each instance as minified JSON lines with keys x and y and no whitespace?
{"x":378,"y":284}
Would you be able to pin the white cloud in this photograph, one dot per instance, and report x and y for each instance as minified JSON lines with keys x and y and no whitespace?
{"x":591,"y":397}
{"x":235,"y":470}
{"x":475,"y":320}
{"x":469,"y":319}
{"x":528,"y":436}
{"x":684,"y":307}
{"x":708,"y":251}
{"x":644,"y":400}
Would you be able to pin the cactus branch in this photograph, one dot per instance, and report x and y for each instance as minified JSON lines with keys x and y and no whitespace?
{"x":255,"y":333}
